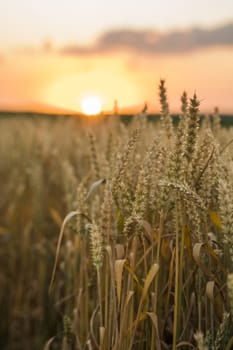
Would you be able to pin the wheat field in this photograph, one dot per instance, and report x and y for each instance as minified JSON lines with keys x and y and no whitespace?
{"x":117,"y":235}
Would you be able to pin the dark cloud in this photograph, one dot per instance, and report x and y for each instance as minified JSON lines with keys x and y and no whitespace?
{"x":153,"y":42}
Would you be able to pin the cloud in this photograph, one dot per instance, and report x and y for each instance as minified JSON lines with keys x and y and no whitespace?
{"x":46,"y":46}
{"x":152,"y":42}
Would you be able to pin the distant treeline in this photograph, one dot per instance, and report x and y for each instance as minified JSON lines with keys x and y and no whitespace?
{"x":226,"y":119}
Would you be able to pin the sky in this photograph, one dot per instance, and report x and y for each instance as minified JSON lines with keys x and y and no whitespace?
{"x":55,"y":53}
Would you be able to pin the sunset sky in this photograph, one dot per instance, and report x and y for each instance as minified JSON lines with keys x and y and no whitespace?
{"x":54,"y":53}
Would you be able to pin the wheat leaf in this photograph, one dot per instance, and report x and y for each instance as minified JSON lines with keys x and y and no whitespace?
{"x":119,"y":265}
{"x":149,"y":278}
{"x":94,"y":187}
{"x":67,"y":218}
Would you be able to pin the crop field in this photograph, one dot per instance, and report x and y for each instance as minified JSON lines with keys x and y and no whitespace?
{"x":117,"y":235}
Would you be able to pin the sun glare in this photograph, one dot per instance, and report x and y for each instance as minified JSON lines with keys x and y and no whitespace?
{"x":91,"y":105}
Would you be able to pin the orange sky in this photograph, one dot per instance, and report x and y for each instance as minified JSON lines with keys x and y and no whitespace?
{"x":63,"y":81}
{"x":57,"y":58}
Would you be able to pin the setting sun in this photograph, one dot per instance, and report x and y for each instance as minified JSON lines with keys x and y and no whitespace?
{"x":91,"y":105}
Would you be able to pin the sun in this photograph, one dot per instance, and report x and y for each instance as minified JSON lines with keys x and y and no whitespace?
{"x":91,"y":105}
